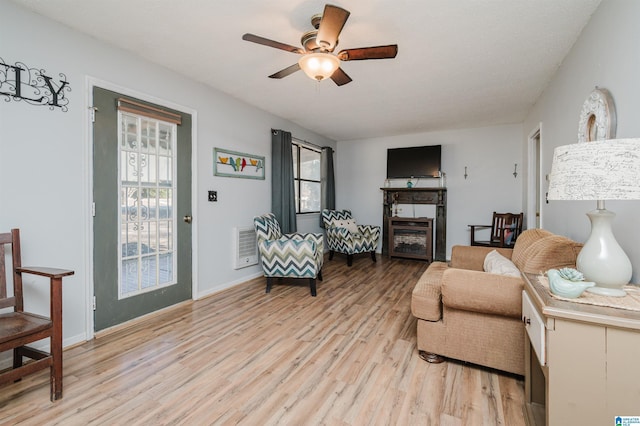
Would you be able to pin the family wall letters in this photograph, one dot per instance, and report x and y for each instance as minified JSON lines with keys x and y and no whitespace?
{"x":22,"y":83}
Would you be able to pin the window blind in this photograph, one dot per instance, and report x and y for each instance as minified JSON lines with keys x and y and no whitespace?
{"x":134,"y":107}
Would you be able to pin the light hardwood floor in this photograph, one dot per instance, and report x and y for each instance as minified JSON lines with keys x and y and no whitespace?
{"x":345,"y":357}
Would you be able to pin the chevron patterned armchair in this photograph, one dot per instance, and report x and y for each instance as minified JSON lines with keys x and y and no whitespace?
{"x":344,"y":236}
{"x":293,"y":255}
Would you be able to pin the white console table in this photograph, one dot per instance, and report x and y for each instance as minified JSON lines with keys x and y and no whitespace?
{"x":582,"y":362}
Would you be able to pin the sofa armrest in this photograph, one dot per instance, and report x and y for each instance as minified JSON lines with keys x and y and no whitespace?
{"x":482,"y":292}
{"x":426,"y":296}
{"x":472,"y":257}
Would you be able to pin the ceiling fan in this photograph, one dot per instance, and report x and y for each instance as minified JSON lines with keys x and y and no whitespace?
{"x":318,"y":60}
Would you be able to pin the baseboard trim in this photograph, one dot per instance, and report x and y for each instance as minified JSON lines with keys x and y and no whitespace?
{"x":228,"y":285}
{"x":135,"y":321}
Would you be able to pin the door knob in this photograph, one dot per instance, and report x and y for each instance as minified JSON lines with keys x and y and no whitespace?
{"x":187,"y":218}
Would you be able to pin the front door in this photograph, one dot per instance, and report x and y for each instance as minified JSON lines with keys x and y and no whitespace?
{"x":142,"y":196}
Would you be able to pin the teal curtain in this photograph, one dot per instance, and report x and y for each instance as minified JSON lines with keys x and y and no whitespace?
{"x":283,"y":195}
{"x":327,"y":182}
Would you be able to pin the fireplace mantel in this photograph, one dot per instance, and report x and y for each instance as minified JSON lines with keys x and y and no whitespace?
{"x":435,"y":196}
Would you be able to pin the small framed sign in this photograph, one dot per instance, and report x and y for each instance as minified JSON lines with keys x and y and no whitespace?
{"x":237,"y":164}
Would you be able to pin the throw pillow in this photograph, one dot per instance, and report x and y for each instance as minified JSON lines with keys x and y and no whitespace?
{"x":350,"y":224}
{"x":495,"y":263}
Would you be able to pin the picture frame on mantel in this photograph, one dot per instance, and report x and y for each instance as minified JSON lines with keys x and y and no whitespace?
{"x":236,"y":164}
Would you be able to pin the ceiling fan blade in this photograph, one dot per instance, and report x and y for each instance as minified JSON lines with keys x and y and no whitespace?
{"x":340,"y":77}
{"x":376,"y":52}
{"x":271,"y":43}
{"x":285,"y":72}
{"x":331,"y":24}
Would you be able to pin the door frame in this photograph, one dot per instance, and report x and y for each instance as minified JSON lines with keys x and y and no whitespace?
{"x":87,"y":172}
{"x":534,"y":176}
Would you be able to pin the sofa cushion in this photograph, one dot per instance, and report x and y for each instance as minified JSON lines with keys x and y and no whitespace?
{"x":495,"y":263}
{"x":426,"y":296}
{"x":472,"y":257}
{"x":552,"y":251}
{"x":476,"y":292}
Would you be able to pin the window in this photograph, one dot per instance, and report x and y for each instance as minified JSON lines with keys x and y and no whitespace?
{"x":147,"y":188}
{"x":306,"y":174}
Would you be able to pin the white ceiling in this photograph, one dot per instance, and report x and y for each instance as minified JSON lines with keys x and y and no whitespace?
{"x":463,"y":63}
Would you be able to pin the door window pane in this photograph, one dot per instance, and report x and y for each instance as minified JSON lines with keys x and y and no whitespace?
{"x":147,"y":196}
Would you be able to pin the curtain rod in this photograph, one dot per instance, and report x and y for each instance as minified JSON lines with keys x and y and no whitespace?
{"x":308,"y":143}
{"x":313,"y":144}
{"x":304,"y":141}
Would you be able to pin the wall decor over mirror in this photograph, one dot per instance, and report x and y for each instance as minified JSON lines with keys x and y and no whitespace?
{"x":20,"y":82}
{"x":598,"y":117}
{"x":237,"y":164}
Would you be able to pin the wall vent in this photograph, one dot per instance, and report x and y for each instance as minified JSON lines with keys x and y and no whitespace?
{"x":245,"y":251}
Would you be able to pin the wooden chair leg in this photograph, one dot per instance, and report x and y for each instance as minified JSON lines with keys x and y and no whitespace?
{"x":56,"y":339}
{"x":312,"y":285}
{"x":373,"y":255}
{"x":349,"y":259}
{"x":56,"y":380}
{"x":320,"y":275}
{"x":17,"y":358}
{"x":56,"y":370}
{"x":331,"y":253}
{"x":269,"y":282}
{"x":17,"y":361}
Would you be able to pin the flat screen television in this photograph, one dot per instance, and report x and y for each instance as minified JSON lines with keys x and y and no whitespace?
{"x":415,"y":161}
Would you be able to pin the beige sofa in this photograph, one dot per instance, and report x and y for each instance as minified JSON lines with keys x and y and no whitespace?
{"x":467,"y":314}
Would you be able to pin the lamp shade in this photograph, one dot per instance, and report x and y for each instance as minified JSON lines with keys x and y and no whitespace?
{"x":319,"y":66}
{"x":604,"y":170}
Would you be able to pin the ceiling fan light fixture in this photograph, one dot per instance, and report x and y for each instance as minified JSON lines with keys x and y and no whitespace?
{"x":319,"y":66}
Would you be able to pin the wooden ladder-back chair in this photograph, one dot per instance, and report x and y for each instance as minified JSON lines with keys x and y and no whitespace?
{"x":19,"y":328}
{"x":505,"y":228}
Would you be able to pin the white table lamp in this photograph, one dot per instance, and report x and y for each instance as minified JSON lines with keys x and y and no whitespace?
{"x":599,"y":171}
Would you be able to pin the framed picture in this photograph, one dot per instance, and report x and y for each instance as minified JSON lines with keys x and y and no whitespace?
{"x":237,"y":164}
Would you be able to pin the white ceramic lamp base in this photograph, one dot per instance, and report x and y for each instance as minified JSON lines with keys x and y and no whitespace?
{"x":602,"y":260}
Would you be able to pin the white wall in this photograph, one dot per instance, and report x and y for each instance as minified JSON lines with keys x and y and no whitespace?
{"x":605,"y":55}
{"x":45,"y":172}
{"x":489,"y":153}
